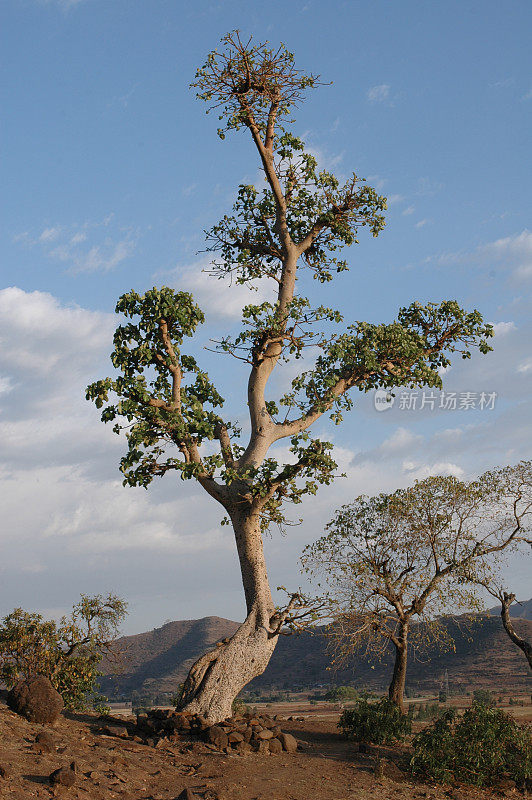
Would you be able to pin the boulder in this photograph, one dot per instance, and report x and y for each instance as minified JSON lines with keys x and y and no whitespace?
{"x":186,"y":794}
{"x":289,"y":742}
{"x":64,"y":776}
{"x":119,"y":731}
{"x":275,"y":746}
{"x":44,"y":742}
{"x":36,"y":699}
{"x":218,"y":737}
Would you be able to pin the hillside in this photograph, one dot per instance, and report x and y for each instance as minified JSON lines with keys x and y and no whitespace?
{"x":158,"y":661}
{"x":521,"y":610}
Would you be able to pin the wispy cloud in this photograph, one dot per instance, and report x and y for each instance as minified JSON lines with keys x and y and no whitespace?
{"x":64,"y":4}
{"x":514,"y":252}
{"x":379,"y":94}
{"x":87,"y":247}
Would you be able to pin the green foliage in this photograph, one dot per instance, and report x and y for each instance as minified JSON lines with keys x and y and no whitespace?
{"x":483,"y":696}
{"x":238,"y":706}
{"x":175,"y":699}
{"x":68,"y":652}
{"x":424,"y":711}
{"x":477,"y":748}
{"x":380,"y":723}
{"x":341,"y":693}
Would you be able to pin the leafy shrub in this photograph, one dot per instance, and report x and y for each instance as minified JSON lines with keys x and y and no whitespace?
{"x":381,"y":722}
{"x":238,"y":706}
{"x":483,"y":696}
{"x":476,"y":748}
{"x":67,"y":652}
{"x":341,"y":693}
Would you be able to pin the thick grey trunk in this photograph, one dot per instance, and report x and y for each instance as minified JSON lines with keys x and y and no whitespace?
{"x":217,"y":677}
{"x":397,"y":686}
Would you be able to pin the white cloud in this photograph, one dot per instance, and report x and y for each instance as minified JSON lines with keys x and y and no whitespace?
{"x":49,"y":234}
{"x":408,"y":211}
{"x":6,"y":384}
{"x":418,"y":472}
{"x":525,"y":367}
{"x":87,"y":247}
{"x":402,"y":439}
{"x":504,"y":328}
{"x":379,"y":94}
{"x":395,"y":198}
{"x":511,"y":252}
{"x":64,"y":4}
{"x":421,"y":223}
{"x":218,"y":297}
{"x":99,"y":258}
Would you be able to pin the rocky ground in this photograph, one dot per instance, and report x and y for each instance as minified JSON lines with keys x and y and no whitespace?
{"x":105,"y":766}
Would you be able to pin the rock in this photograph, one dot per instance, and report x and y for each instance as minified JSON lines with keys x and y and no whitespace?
{"x":44,"y":742}
{"x":265,"y":734}
{"x":36,"y":699}
{"x":5,"y":772}
{"x":235,"y":737}
{"x":391,"y":770}
{"x":505,"y":784}
{"x":262,"y":746}
{"x":378,"y":769}
{"x":116,"y":730}
{"x":64,"y":776}
{"x":275,"y":746}
{"x":243,"y":747}
{"x":218,"y":737}
{"x":289,"y":742}
{"x":186,"y":794}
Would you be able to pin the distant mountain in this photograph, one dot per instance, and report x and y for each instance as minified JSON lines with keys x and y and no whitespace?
{"x":159,"y":660}
{"x":522,"y":610}
{"x":483,"y":656}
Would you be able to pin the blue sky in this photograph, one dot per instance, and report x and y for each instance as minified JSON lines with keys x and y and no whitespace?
{"x":111,"y":172}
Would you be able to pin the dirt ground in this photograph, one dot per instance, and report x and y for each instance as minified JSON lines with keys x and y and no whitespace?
{"x":326,"y":768}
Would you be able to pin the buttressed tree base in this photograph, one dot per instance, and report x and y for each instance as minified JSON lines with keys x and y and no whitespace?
{"x":298,"y":221}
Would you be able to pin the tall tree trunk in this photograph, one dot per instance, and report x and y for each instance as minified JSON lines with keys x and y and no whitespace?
{"x":397,"y":686}
{"x":526,"y":647}
{"x":217,"y":677}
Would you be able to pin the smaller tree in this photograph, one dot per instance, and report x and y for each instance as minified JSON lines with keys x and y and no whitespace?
{"x":516,"y":484}
{"x":67,"y":652}
{"x":414,"y":555}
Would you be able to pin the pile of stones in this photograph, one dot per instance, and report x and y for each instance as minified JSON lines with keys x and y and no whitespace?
{"x":242,"y":733}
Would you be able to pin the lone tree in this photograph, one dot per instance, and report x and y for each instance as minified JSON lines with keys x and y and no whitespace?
{"x":413,"y":555}
{"x":298,"y":221}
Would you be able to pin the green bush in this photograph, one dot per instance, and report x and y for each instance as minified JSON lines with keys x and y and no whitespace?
{"x":341,"y":693}
{"x":238,"y":706}
{"x":478,"y":748}
{"x":381,"y":722}
{"x":67,"y":652}
{"x":483,"y":696}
